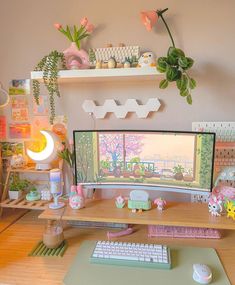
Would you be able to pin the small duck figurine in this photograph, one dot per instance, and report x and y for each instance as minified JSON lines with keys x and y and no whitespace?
{"x":147,"y":59}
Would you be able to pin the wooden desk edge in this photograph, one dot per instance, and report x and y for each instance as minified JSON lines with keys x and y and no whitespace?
{"x":78,"y":215}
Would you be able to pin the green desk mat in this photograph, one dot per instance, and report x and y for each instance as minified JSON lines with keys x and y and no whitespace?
{"x":82,"y":272}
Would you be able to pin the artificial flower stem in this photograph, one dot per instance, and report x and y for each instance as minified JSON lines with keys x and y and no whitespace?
{"x":160,"y":15}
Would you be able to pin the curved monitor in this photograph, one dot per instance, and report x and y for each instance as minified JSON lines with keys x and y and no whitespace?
{"x":157,"y":160}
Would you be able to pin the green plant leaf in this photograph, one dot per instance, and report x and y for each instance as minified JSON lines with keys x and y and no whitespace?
{"x":83,"y":36}
{"x":69,"y":33}
{"x":162,"y":61}
{"x":75,"y":33}
{"x":172,"y":51}
{"x":184,"y":93}
{"x":182,"y":83}
{"x":162,"y":64}
{"x":189,"y":99}
{"x":163,"y":84}
{"x":172,"y":73}
{"x":180,"y":52}
{"x":172,"y":60}
{"x":160,"y":69}
{"x":192,"y":83}
{"x":183,"y":62}
{"x":190,"y":62}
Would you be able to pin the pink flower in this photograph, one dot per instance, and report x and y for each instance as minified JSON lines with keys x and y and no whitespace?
{"x":149,"y":19}
{"x":84,"y":21}
{"x":57,"y":26}
{"x":90,"y":28}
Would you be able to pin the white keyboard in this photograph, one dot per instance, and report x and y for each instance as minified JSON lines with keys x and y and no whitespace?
{"x":131,"y":254}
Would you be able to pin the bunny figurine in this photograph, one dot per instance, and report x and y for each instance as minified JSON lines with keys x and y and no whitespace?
{"x":215,"y":206}
{"x":76,"y":199}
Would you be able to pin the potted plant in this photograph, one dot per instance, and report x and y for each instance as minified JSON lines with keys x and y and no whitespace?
{"x":17,"y":186}
{"x":188,"y":176}
{"x":178,"y":171}
{"x":104,"y":167}
{"x":50,"y":66}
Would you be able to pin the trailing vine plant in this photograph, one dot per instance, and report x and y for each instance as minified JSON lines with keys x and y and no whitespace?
{"x":49,"y":65}
{"x":175,"y":64}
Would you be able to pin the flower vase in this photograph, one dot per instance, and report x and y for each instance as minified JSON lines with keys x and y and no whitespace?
{"x":76,"y":58}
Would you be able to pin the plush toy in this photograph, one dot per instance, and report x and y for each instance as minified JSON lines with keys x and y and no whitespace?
{"x":215,"y":206}
{"x":147,"y":59}
{"x":230,"y":207}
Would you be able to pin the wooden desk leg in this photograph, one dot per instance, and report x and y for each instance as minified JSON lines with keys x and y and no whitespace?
{"x":4,"y":193}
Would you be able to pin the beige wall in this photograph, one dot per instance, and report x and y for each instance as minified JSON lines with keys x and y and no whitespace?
{"x":203,"y":28}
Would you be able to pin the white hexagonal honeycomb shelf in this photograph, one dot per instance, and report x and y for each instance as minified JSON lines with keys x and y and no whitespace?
{"x":121,"y":111}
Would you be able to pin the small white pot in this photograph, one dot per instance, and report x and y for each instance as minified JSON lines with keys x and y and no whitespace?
{"x":15,"y":194}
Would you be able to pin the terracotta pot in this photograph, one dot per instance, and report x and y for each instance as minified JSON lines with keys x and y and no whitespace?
{"x":178,"y":176}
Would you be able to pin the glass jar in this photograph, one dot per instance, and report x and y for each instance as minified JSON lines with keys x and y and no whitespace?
{"x":53,"y":235}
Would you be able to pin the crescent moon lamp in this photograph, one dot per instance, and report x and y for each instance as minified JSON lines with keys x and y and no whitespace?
{"x":44,"y":158}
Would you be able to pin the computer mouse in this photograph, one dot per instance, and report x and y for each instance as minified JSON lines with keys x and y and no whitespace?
{"x":202,"y":273}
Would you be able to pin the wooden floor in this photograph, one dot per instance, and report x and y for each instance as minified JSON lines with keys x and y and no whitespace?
{"x":9,"y":216}
{"x":19,"y":239}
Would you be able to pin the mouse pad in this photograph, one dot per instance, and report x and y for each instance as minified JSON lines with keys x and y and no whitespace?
{"x":82,"y":272}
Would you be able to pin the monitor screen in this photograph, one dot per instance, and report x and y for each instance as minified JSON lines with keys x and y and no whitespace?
{"x":158,"y":160}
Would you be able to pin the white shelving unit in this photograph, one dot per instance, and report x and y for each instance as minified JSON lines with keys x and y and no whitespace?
{"x":83,"y":75}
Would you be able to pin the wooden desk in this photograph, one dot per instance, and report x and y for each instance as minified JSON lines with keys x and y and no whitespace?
{"x":19,"y":239}
{"x":176,"y":214}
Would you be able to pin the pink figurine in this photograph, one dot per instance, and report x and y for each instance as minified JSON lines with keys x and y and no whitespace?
{"x":161,"y":203}
{"x":215,"y":205}
{"x":77,"y":200}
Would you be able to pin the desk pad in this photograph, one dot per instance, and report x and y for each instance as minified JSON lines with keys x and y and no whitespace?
{"x":82,"y":272}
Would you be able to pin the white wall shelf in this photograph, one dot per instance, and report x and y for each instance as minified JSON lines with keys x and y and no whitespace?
{"x":148,"y":73}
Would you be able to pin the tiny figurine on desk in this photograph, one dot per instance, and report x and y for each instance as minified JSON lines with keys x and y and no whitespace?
{"x":147,"y":59}
{"x":120,"y":202}
{"x":46,"y":195}
{"x":127,"y":63}
{"x":230,"y":208}
{"x":161,"y":203}
{"x":98,"y":64}
{"x":112,"y":63}
{"x":139,"y":200}
{"x":76,"y":199}
{"x":215,"y":206}
{"x":33,"y":194}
